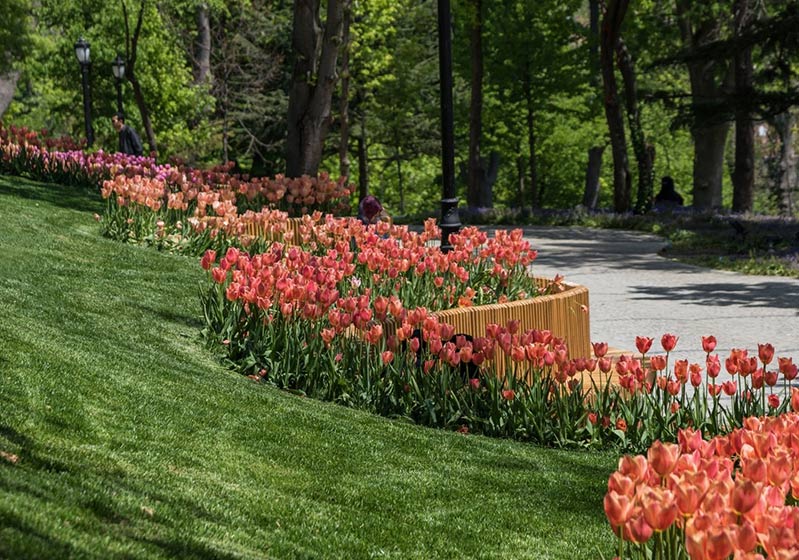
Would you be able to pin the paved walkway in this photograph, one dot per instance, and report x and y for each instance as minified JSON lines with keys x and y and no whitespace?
{"x":634,"y":292}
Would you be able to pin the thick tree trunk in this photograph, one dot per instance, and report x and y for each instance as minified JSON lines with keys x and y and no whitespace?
{"x":8,"y":86}
{"x":709,"y":143}
{"x":786,"y":172}
{"x":643,"y":155}
{"x":344,"y":102}
{"x":313,"y":82}
{"x":592,"y":172}
{"x":202,"y":45}
{"x":535,"y":199}
{"x":710,"y":138}
{"x":622,"y":181}
{"x":475,"y":196}
{"x":743,"y":176}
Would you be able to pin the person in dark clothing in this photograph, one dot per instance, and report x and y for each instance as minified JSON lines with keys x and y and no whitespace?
{"x":668,"y":197}
{"x":370,"y":211}
{"x":129,"y":141}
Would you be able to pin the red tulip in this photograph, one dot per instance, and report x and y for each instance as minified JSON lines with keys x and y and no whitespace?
{"x":658,"y":363}
{"x":729,"y":388}
{"x":600,"y":349}
{"x":508,"y":394}
{"x":708,"y":343}
{"x":713,"y":366}
{"x":765,"y":352}
{"x":669,"y":341}
{"x":643,"y":343}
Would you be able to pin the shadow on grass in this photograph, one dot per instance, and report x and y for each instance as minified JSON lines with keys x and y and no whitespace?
{"x":168,"y":316}
{"x":36,"y":543}
{"x":28,"y":452}
{"x":83,"y":198}
{"x":187,"y":549}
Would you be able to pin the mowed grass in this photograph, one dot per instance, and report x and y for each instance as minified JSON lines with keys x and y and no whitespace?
{"x":121,"y":436}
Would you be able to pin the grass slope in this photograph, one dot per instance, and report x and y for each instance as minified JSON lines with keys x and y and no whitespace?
{"x":122,"y":437}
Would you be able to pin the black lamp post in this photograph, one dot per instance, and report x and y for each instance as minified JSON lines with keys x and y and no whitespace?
{"x":118,"y":67}
{"x":82,"y":52}
{"x":449,"y":203}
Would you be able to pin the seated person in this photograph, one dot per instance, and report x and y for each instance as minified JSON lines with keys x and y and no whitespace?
{"x":370,"y":211}
{"x":668,"y":197}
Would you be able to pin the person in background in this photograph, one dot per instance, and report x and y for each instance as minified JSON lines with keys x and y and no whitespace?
{"x":370,"y":211}
{"x":668,"y":197}
{"x":129,"y":141}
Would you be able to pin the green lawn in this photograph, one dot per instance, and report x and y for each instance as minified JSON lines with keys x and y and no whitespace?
{"x":121,"y":436}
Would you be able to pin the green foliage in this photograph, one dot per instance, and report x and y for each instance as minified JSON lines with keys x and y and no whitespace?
{"x":52,"y":95}
{"x":15,"y":38}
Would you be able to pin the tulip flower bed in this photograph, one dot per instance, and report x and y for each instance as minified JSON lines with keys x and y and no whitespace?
{"x":733,"y":496}
{"x":172,"y":206}
{"x":350,"y":316}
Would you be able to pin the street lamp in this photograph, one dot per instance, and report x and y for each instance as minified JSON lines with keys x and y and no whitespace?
{"x":118,"y":67}
{"x":82,"y":52}
{"x":449,"y":202}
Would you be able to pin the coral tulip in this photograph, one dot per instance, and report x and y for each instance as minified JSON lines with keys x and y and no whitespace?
{"x":618,"y":508}
{"x":663,"y":457}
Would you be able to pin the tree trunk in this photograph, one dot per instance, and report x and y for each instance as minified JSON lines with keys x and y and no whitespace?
{"x":709,"y":138}
{"x":313,"y":81}
{"x":743,"y":176}
{"x":521,"y":170}
{"x":642,"y":153}
{"x":363,"y":162}
{"x":8,"y":86}
{"x":202,"y":45}
{"x":138,"y":96}
{"x":475,"y":196}
{"x":709,"y":143}
{"x":611,"y":26}
{"x":592,"y":172}
{"x":344,"y":102}
{"x":535,"y":199}
{"x":786,"y":171}
{"x":131,"y":50}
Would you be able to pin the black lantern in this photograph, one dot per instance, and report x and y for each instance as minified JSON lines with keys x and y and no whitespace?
{"x":118,"y":68}
{"x":82,"y":52}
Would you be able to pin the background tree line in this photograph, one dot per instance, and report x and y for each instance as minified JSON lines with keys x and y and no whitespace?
{"x":703,"y":91}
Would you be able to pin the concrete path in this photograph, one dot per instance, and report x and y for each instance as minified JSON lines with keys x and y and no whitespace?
{"x":634,"y":292}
